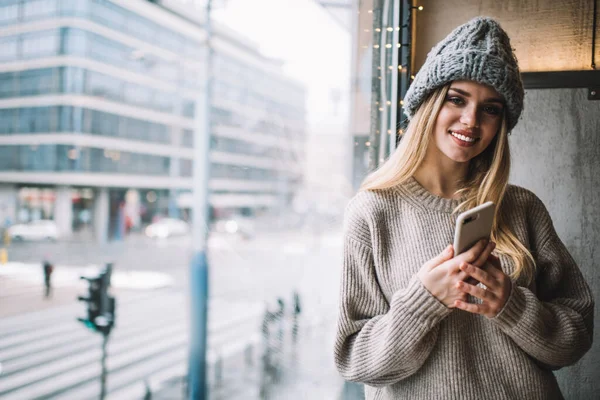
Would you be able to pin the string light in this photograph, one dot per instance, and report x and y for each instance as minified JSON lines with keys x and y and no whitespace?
{"x":370,"y":11}
{"x":389,"y":131}
{"x":390,"y":29}
{"x":399,"y":45}
{"x":388,"y":46}
{"x":420,"y":8}
{"x":368,"y":144}
{"x":389,"y":103}
{"x":376,"y":46}
{"x":380,"y":108}
{"x":390,"y":67}
{"x":377,"y":29}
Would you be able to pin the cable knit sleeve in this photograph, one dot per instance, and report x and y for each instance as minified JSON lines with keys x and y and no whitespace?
{"x":556,"y":326}
{"x":379,"y":343}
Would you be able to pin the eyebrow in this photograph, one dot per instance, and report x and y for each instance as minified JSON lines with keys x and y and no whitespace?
{"x":489,"y":100}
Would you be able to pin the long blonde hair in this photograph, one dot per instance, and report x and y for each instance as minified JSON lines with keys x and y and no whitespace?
{"x":486,"y":179}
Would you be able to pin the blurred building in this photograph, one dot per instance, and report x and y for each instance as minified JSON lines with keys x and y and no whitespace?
{"x":97,"y":105}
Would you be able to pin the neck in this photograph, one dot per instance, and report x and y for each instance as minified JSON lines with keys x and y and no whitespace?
{"x":441,"y":176}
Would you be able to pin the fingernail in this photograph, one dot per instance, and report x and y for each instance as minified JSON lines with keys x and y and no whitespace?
{"x":448,"y":249}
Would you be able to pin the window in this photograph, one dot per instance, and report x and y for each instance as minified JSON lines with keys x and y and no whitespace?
{"x":8,"y":48}
{"x":9,"y":13}
{"x":40,"y":44}
{"x":38,"y":81}
{"x":7,"y":84}
{"x":39,"y":8}
{"x":75,"y":41}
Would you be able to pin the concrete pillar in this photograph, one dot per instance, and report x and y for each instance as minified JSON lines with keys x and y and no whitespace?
{"x":63,"y":211}
{"x":556,"y":153}
{"x":101,"y":216}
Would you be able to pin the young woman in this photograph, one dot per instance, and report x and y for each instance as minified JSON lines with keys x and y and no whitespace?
{"x":417,"y":321}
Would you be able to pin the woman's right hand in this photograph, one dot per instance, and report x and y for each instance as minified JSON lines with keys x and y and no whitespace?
{"x":441,"y":274}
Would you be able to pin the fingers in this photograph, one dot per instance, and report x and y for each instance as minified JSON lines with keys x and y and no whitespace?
{"x":445,"y":255}
{"x":473,"y":253}
{"x":476,"y":291}
{"x":471,"y":307}
{"x":478,"y":274}
{"x":483,"y":256}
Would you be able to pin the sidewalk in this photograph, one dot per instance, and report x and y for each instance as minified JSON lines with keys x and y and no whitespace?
{"x":308,"y":373}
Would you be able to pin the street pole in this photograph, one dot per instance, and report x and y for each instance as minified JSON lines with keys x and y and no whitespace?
{"x":103,"y":363}
{"x":197,"y":384}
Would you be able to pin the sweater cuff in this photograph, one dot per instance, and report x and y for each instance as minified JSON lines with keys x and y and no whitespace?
{"x":512,"y":311}
{"x":420,"y":303}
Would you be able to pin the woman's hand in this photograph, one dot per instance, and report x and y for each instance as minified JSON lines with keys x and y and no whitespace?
{"x":441,"y":275}
{"x":494,"y":297}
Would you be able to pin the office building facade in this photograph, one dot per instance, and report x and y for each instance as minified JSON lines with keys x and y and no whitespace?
{"x":98,"y":116}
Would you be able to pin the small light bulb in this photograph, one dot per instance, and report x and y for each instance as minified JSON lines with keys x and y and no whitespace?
{"x":376,"y":46}
{"x":389,"y":103}
{"x":390,"y":67}
{"x":401,"y":102}
{"x":412,"y":77}
{"x":399,"y":44}
{"x":370,"y":11}
{"x":388,"y":46}
{"x":377,"y":30}
{"x":380,"y":108}
{"x":389,"y":131}
{"x":368,"y":144}
{"x":420,"y":8}
{"x":390,"y":29}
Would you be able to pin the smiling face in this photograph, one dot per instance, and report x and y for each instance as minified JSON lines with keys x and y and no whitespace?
{"x":468,"y":121}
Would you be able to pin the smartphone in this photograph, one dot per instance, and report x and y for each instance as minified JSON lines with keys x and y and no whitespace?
{"x":473,"y":225}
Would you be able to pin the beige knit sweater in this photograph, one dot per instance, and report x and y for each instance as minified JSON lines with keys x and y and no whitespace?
{"x":399,"y":340}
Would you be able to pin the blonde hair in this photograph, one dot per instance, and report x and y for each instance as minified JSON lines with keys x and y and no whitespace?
{"x":486,"y":179}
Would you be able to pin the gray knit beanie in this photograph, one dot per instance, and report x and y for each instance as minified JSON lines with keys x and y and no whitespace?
{"x":478,"y":51}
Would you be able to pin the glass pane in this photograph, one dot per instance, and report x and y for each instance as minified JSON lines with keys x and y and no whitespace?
{"x":111,"y":154}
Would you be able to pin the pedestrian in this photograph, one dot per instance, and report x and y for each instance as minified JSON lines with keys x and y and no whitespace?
{"x":48,"y":269}
{"x":417,"y":321}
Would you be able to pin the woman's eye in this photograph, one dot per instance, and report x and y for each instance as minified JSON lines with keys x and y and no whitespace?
{"x":492,"y":110}
{"x":455,"y":100}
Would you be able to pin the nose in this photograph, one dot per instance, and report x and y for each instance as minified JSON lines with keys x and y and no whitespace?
{"x":470,"y":117}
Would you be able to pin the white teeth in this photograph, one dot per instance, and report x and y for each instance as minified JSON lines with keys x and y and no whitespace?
{"x":462,"y":137}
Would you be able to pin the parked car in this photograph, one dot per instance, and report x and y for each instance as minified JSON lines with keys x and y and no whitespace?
{"x":167,"y":227}
{"x":34,"y":230}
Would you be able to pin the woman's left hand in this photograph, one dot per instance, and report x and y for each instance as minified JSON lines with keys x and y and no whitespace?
{"x":493,"y":298}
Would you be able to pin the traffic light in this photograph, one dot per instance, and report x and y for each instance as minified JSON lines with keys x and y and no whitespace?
{"x":100,"y":304}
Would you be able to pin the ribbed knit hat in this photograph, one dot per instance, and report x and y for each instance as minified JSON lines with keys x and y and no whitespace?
{"x":478,"y":51}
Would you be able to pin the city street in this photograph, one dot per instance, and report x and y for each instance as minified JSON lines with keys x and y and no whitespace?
{"x":46,"y":353}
